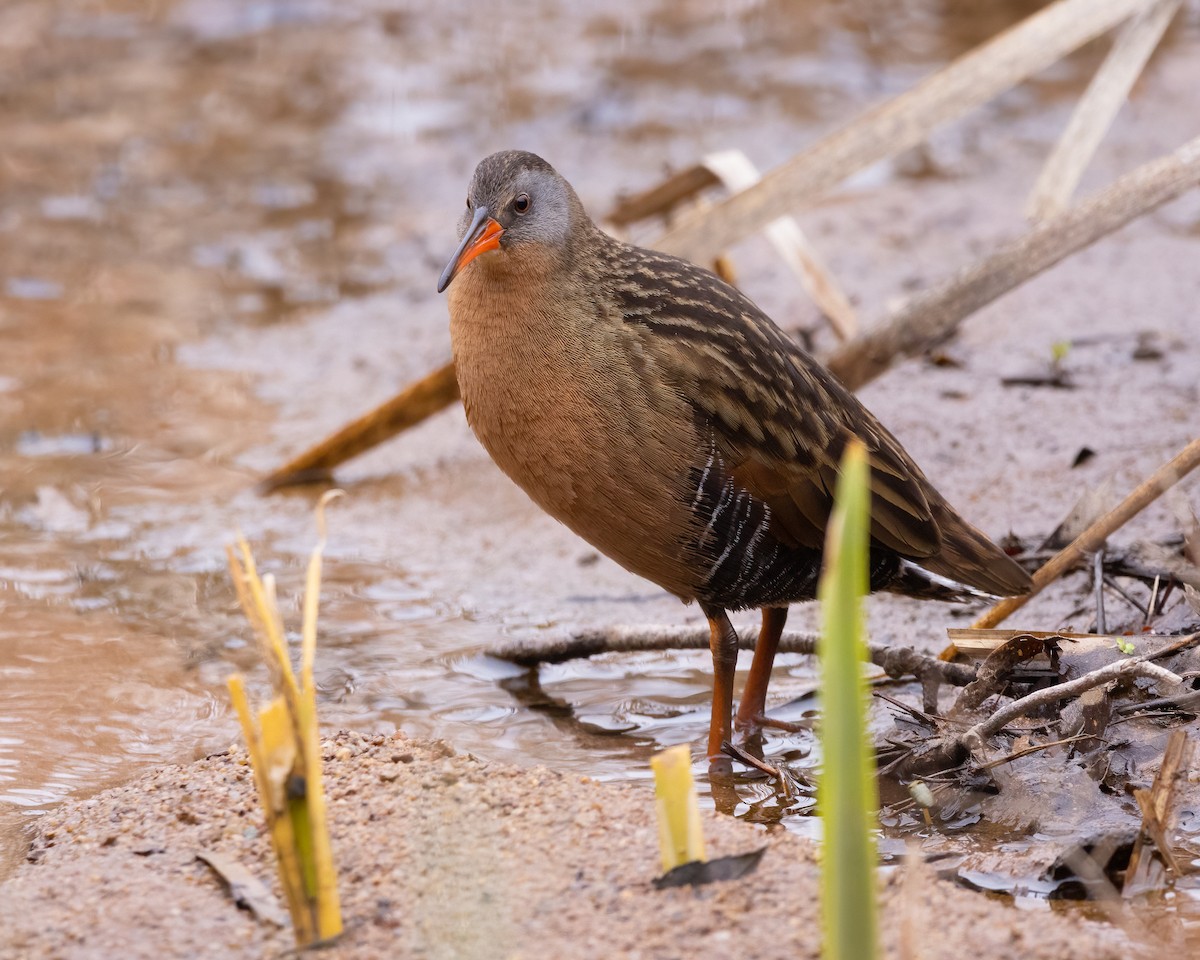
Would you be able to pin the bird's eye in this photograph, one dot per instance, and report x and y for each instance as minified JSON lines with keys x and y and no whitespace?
{"x":521,"y":204}
{"x":468,"y":201}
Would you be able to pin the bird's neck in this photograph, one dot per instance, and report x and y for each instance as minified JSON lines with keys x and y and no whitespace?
{"x":519,"y":303}
{"x":527,"y":361}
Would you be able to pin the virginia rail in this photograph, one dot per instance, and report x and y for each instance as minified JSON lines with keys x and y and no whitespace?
{"x":663,"y":417}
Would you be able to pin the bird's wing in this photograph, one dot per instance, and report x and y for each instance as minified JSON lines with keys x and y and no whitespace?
{"x":777,"y":418}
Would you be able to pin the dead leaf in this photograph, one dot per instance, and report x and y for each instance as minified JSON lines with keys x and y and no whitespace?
{"x":1157,"y":813}
{"x":1193,"y":598}
{"x":699,"y":872}
{"x":996,"y":669}
{"x":247,"y":891}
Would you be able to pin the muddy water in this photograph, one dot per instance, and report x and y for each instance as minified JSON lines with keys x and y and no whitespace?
{"x":220,"y":227}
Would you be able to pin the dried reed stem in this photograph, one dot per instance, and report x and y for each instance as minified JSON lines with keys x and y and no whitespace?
{"x":1098,"y":108}
{"x":1146,"y":492}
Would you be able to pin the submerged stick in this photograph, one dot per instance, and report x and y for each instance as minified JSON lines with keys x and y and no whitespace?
{"x":930,"y":317}
{"x":1098,"y":108}
{"x":1146,"y":492}
{"x":895,"y":661}
{"x":623,"y":639}
{"x":903,"y":122}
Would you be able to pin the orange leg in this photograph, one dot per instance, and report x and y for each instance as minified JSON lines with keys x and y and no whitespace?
{"x":723,"y":641}
{"x":754,"y":697}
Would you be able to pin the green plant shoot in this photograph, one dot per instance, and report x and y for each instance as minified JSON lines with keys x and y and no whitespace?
{"x":847,"y":792}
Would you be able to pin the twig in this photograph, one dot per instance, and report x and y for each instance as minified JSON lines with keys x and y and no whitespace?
{"x":1098,"y":108}
{"x":1098,"y":573}
{"x":1183,"y":643}
{"x":1037,"y":747}
{"x":1124,"y":595}
{"x":974,"y":738}
{"x":663,"y":196}
{"x":1146,"y":714}
{"x":971,"y":80}
{"x":1186,"y":702}
{"x":419,"y":400}
{"x":1146,"y":492}
{"x":930,"y":317}
{"x":531,"y":651}
{"x":925,"y":719}
{"x":1150,"y":612}
{"x":787,"y":726}
{"x":895,"y":661}
{"x":750,"y":760}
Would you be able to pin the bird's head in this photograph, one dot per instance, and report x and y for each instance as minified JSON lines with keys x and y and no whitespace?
{"x":516,"y":202}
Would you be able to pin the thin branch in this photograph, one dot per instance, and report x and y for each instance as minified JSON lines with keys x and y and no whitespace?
{"x":665,"y":195}
{"x":974,"y":738}
{"x":1098,"y":576}
{"x":778,"y":774}
{"x":1124,"y":595}
{"x":1036,"y":748}
{"x":895,"y":661}
{"x":1146,"y":492}
{"x":1150,"y":607}
{"x":1183,"y":643}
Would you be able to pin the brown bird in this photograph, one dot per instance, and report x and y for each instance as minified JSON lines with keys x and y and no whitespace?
{"x":663,"y":417}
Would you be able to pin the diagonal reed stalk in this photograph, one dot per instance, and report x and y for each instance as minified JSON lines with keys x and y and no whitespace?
{"x":847,"y":793}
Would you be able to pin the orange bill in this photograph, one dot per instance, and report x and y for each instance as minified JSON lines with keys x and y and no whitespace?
{"x":481,"y":236}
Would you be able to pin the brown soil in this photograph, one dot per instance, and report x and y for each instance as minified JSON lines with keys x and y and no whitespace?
{"x":443,"y":855}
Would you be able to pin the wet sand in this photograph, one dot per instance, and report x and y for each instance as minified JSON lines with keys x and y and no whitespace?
{"x":447,"y":856}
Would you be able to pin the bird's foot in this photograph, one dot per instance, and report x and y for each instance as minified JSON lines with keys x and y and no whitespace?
{"x":751,"y":724}
{"x":762,"y":721}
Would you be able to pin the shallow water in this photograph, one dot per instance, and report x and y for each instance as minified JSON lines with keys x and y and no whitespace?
{"x":219,"y":232}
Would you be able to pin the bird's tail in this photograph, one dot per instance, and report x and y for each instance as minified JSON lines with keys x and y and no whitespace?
{"x":967,"y":565}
